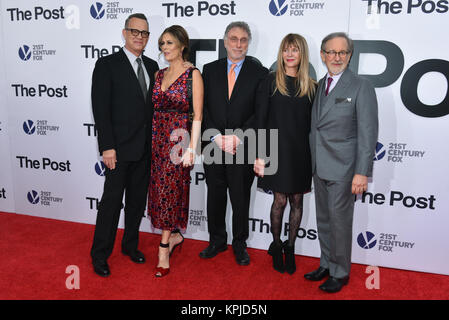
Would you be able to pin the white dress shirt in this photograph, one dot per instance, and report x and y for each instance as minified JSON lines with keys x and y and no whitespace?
{"x":335,"y":79}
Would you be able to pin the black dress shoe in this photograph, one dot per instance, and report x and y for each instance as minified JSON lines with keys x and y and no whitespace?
{"x":333,"y":285}
{"x":212,"y":250}
{"x":135,"y":256}
{"x":101,"y":268}
{"x":317,"y":275}
{"x":241,"y":256}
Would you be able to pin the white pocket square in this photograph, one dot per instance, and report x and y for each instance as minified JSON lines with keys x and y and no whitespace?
{"x":340,"y":100}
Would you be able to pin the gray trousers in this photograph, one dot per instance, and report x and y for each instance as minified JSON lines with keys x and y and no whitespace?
{"x":334,"y":204}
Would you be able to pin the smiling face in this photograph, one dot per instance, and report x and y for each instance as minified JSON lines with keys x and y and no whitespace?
{"x":291,"y":57}
{"x":170,"y":47}
{"x":336,"y":63}
{"x":236,"y":43}
{"x":135,"y":44}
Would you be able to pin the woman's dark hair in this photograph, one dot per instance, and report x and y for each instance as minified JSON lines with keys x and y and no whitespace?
{"x":180,"y":34}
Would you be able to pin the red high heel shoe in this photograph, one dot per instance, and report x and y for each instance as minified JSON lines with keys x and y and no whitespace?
{"x":161,"y":272}
{"x":178,"y":244}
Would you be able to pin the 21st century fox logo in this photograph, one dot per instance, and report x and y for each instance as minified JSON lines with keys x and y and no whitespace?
{"x":396,"y":152}
{"x":38,"y":127}
{"x":386,"y":242}
{"x":35,"y":52}
{"x":294,"y":7}
{"x":108,"y":10}
{"x":44,"y":198}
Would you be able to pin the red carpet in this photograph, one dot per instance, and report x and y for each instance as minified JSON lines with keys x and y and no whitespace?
{"x":37,"y":251}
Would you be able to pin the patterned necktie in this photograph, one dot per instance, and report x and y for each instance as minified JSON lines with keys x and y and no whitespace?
{"x":231,"y":79}
{"x":141,"y":78}
{"x":329,"y":81}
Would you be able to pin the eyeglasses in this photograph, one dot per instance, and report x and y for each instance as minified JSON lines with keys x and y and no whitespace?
{"x":135,"y":32}
{"x":331,"y":54}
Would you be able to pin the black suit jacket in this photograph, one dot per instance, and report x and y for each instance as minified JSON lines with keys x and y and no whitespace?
{"x":238,"y":112}
{"x":122,"y":117}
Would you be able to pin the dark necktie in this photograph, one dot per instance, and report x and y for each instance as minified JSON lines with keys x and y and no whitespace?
{"x":141,"y":78}
{"x":329,"y":81}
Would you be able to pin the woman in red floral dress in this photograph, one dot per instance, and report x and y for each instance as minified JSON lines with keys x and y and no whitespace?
{"x":174,"y":139}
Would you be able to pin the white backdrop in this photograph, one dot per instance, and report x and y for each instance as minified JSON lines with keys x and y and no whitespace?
{"x":48,"y":142}
{"x":6,"y":184}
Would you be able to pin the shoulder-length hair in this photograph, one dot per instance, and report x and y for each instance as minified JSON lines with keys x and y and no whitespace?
{"x":304,"y":83}
{"x":180,"y":35}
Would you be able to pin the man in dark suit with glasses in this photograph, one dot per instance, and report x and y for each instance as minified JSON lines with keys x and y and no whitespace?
{"x":122,"y":109}
{"x":230,"y":86}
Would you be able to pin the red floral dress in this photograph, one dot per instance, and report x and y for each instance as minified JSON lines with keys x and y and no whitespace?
{"x":168,"y":196}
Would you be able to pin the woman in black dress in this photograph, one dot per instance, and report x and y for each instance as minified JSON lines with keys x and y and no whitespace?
{"x":285,"y":102}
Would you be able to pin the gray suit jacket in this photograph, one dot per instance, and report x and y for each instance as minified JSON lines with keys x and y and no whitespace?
{"x":344,"y":129}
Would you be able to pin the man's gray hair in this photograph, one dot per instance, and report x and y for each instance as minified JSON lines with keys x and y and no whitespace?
{"x":238,"y":24}
{"x":338,"y":35}
{"x":135,"y":15}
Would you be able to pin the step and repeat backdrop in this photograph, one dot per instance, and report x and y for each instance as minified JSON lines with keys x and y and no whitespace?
{"x":49,"y":161}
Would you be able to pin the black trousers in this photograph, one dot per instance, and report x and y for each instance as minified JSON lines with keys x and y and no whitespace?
{"x":129,"y":178}
{"x":238,"y":179}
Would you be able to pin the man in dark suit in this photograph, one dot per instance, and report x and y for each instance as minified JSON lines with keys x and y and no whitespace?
{"x":230,"y":86}
{"x":122,"y":109}
{"x":343,"y":138}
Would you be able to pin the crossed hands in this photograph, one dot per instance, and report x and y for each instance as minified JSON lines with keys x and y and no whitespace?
{"x":227,"y":143}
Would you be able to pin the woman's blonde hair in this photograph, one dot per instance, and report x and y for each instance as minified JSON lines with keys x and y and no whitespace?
{"x":304,"y":83}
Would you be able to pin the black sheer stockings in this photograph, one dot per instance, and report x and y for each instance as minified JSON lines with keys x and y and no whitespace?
{"x":277,"y":213}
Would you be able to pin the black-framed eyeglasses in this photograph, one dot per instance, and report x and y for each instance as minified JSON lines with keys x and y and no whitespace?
{"x":331,"y":54}
{"x":135,"y":32}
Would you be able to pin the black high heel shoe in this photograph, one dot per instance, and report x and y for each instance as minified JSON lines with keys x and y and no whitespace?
{"x":178,"y":244}
{"x":289,"y":252}
{"x":275,"y":251}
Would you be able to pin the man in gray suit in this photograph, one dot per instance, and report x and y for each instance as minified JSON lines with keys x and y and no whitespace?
{"x":343,"y":137}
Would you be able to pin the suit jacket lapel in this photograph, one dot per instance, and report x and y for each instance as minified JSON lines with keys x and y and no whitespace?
{"x":151,"y":79}
{"x":223,"y":78}
{"x":149,"y":71}
{"x":341,"y":85}
{"x":318,"y":98}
